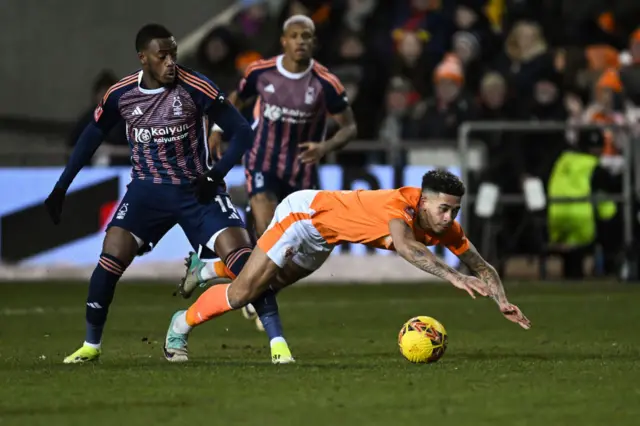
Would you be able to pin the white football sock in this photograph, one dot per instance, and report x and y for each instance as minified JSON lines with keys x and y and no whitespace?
{"x":180,"y":325}
{"x":277,"y":340}
{"x":208,"y":271}
{"x":93,"y":345}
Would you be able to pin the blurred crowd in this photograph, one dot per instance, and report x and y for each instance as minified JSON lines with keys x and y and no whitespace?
{"x":417,"y":69}
{"x":438,"y":63}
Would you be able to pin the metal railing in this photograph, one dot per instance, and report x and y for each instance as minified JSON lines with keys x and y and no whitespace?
{"x":626,"y":197}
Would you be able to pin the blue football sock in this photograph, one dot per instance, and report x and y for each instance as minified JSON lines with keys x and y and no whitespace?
{"x":101,"y":290}
{"x":266,"y":305}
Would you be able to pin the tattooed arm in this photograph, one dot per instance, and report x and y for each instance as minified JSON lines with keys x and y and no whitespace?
{"x":421,"y":257}
{"x":483,"y":270}
{"x":487,"y":273}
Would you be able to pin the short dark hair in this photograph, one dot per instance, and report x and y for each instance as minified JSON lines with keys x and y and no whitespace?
{"x":443,"y":181}
{"x":148,"y":33}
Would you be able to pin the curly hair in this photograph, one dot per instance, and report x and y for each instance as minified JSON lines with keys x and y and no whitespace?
{"x":443,"y":181}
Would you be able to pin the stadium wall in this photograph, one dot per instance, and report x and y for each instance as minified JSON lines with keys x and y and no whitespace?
{"x":52,"y":50}
{"x":31,"y":248}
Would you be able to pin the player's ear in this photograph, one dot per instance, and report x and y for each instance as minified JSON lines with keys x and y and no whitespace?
{"x":283,"y":42}
{"x":143,"y":58}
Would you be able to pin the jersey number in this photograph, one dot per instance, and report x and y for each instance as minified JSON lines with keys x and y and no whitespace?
{"x":229,"y":206}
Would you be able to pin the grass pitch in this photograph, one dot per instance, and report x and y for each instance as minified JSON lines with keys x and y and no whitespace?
{"x":578,"y":365}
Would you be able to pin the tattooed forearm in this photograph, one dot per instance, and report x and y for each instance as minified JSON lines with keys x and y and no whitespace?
{"x":484,"y":271}
{"x":422,"y":258}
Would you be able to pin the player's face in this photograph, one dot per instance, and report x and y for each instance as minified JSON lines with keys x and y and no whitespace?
{"x":159,"y":59}
{"x":297,"y":42}
{"x":438,"y":211}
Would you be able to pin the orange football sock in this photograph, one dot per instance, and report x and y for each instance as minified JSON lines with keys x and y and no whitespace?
{"x":212,"y":303}
{"x":221,"y":269}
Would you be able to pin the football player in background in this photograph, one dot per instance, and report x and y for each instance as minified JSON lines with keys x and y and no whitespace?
{"x":295,"y":95}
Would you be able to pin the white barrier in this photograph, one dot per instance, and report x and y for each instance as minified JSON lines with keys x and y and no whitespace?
{"x":340,"y":269}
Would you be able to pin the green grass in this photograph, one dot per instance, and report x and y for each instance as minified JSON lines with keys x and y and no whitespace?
{"x":578,"y":365}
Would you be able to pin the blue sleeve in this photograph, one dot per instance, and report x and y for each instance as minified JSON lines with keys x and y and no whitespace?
{"x":105,"y":116}
{"x":211,"y":101}
{"x":236,"y":129}
{"x":248,"y":86}
{"x":335,"y":94}
{"x":88,"y":142}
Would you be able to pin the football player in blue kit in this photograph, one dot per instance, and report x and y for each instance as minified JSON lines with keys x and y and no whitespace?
{"x":168,"y":110}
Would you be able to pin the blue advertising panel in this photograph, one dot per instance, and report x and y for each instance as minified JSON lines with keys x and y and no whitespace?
{"x":23,"y":189}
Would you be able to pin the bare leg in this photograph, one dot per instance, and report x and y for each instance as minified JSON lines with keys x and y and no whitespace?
{"x":263,"y":207}
{"x":253,"y":280}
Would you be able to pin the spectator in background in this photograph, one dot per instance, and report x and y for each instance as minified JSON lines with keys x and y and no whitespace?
{"x":544,"y":103}
{"x":630,"y":74}
{"x":117,"y":136}
{"x":493,"y":106}
{"x":439,"y":117}
{"x":607,"y":107}
{"x":577,"y":173}
{"x":600,"y":57}
{"x":432,"y":16}
{"x":524,"y":57}
{"x":467,"y":47}
{"x":400,"y":98}
{"x":358,"y":13}
{"x":474,"y":41}
{"x":351,"y":49}
{"x":581,"y":69}
{"x":547,"y":13}
{"x":411,"y":60}
{"x":492,"y":99}
{"x":216,"y":57}
{"x":256,"y":24}
{"x":502,"y":151}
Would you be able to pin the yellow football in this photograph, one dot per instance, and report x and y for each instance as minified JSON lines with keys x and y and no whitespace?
{"x":422,"y":339}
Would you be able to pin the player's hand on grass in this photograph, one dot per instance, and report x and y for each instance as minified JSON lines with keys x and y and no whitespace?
{"x":471,"y":285}
{"x":53,"y":204}
{"x":514,"y":314}
{"x":312,"y":152}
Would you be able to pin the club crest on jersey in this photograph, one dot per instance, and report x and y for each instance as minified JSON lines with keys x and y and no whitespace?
{"x":97,"y":113}
{"x":310,"y":95}
{"x":177,"y":105}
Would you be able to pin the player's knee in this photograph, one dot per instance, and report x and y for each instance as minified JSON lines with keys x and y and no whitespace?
{"x":240,"y":295}
{"x":236,"y":260}
{"x":121,"y":244}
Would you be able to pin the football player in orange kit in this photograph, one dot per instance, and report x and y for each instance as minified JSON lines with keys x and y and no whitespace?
{"x":308,"y":224}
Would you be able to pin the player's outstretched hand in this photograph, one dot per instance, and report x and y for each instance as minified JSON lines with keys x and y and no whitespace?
{"x":514,"y":314}
{"x":53,"y":204}
{"x":205,"y":188}
{"x":471,"y":285}
{"x":312,"y":152}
